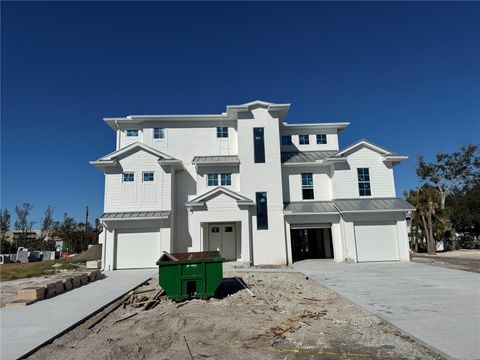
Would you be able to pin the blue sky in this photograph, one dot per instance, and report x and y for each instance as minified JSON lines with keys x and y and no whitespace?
{"x":406,"y":75}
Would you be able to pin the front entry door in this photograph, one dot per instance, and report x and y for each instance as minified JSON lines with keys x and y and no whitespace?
{"x":221,"y":237}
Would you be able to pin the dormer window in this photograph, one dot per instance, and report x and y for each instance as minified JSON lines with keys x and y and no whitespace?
{"x":364,"y":188}
{"x":321,"y":139}
{"x":222,"y":132}
{"x":159,"y":133}
{"x":303,"y":139}
{"x":132,"y":133}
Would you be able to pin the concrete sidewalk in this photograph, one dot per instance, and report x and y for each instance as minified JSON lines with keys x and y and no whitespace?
{"x":24,"y":329}
{"x":439,"y":307}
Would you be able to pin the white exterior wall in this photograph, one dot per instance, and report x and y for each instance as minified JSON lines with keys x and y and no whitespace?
{"x":138,"y":195}
{"x":292,"y":183}
{"x":345,"y":179}
{"x":332,"y":139}
{"x":268,"y":245}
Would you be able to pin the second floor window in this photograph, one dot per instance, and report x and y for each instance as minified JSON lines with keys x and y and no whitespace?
{"x":131,"y":133}
{"x":128,"y":177}
{"x":212,"y":179}
{"x":286,"y":139}
{"x":148,"y":176}
{"x":307,"y":186}
{"x":303,"y":139}
{"x":225,"y":179}
{"x":364,"y":182}
{"x":321,"y":138}
{"x":159,"y":133}
{"x":222,"y":132}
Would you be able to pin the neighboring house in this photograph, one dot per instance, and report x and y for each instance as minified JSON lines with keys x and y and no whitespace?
{"x":250,"y":185}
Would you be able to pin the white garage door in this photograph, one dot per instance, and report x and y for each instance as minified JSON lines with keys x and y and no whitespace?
{"x":376,"y":241}
{"x":138,"y":249}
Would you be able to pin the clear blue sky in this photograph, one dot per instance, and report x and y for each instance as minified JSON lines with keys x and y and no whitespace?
{"x":406,"y":75}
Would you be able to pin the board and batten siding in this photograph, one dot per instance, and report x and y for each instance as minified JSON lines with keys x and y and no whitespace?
{"x":345,"y":179}
{"x":138,"y":195}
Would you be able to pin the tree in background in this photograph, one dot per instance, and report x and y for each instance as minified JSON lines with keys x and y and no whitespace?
{"x":4,"y":222}
{"x":5,"y":247}
{"x":48,"y":226}
{"x":450,"y":171}
{"x":427,"y":202}
{"x":22,"y":223}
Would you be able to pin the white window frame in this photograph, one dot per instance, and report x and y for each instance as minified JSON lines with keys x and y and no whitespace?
{"x":221,"y":132}
{"x":300,"y":139}
{"x":128,"y":173}
{"x":369,"y":182}
{"x":307,"y":186}
{"x":214,"y":176}
{"x":321,"y":137}
{"x":148,"y":172}
{"x":162,"y":133}
{"x":127,"y":135}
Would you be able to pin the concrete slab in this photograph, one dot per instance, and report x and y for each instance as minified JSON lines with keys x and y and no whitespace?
{"x":24,"y":329}
{"x":440,"y":307}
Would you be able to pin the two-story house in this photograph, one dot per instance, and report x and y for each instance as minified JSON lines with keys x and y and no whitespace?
{"x":249,"y":184}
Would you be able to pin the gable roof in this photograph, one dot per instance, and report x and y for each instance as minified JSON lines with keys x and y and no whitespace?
{"x":387,"y":154}
{"x":200,"y":200}
{"x":112,"y":158}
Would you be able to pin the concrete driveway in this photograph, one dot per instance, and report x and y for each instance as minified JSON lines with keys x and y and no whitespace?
{"x":439,"y":307}
{"x":25,"y":329}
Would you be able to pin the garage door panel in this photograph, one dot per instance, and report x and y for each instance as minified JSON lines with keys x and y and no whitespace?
{"x":137,"y":249}
{"x":376,"y":241}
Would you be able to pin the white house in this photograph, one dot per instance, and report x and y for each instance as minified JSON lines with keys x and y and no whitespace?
{"x":260,"y":190}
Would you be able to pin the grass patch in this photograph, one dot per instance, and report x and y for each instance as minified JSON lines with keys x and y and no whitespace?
{"x":41,"y":268}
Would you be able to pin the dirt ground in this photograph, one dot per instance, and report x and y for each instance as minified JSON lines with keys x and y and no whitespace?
{"x":307,"y":322}
{"x":468,"y":260}
{"x":8,"y":289}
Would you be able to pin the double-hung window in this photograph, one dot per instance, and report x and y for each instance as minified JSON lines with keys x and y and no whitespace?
{"x":159,"y":133}
{"x":286,"y":139}
{"x":303,"y":139}
{"x":132,"y":133}
{"x":222,"y":132}
{"x":321,"y":138}
{"x":364,"y":182}
{"x":225,"y":179}
{"x":148,"y":176}
{"x":307,"y":186}
{"x":262,"y":211}
{"x":128,"y":177}
{"x":212,"y":179}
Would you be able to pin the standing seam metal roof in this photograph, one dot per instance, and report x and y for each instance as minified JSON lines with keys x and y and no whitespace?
{"x":378,"y":204}
{"x":311,"y":207}
{"x":212,"y":160}
{"x":135,"y":214}
{"x":305,"y":156}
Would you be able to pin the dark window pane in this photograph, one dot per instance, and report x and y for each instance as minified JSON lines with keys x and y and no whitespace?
{"x":225,"y":179}
{"x":228,"y":229}
{"x":303,"y":139}
{"x":286,"y":139}
{"x":262,"y":212}
{"x":307,"y":194}
{"x":259,"y":145}
{"x":212,"y":179}
{"x":321,"y":138}
{"x":222,"y":132}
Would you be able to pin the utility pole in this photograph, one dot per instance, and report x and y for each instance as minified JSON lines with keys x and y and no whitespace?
{"x":86,"y":228}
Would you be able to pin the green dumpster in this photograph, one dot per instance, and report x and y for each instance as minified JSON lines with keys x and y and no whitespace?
{"x":190,"y":275}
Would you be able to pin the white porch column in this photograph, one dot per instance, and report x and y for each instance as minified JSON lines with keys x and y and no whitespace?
{"x":245,"y":243}
{"x":110,"y":250}
{"x":289,"y":243}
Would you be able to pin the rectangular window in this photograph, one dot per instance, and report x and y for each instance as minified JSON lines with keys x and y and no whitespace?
{"x":286,"y":139}
{"x":303,"y":139}
{"x":307,"y":186}
{"x":159,"y":133}
{"x":148,"y":176}
{"x":132,"y":133}
{"x":321,"y":138}
{"x":212,"y":179}
{"x":128,"y":177}
{"x":364,"y":182}
{"x":225,"y":179}
{"x":262,"y":211}
{"x":222,"y":132}
{"x":258,"y":145}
